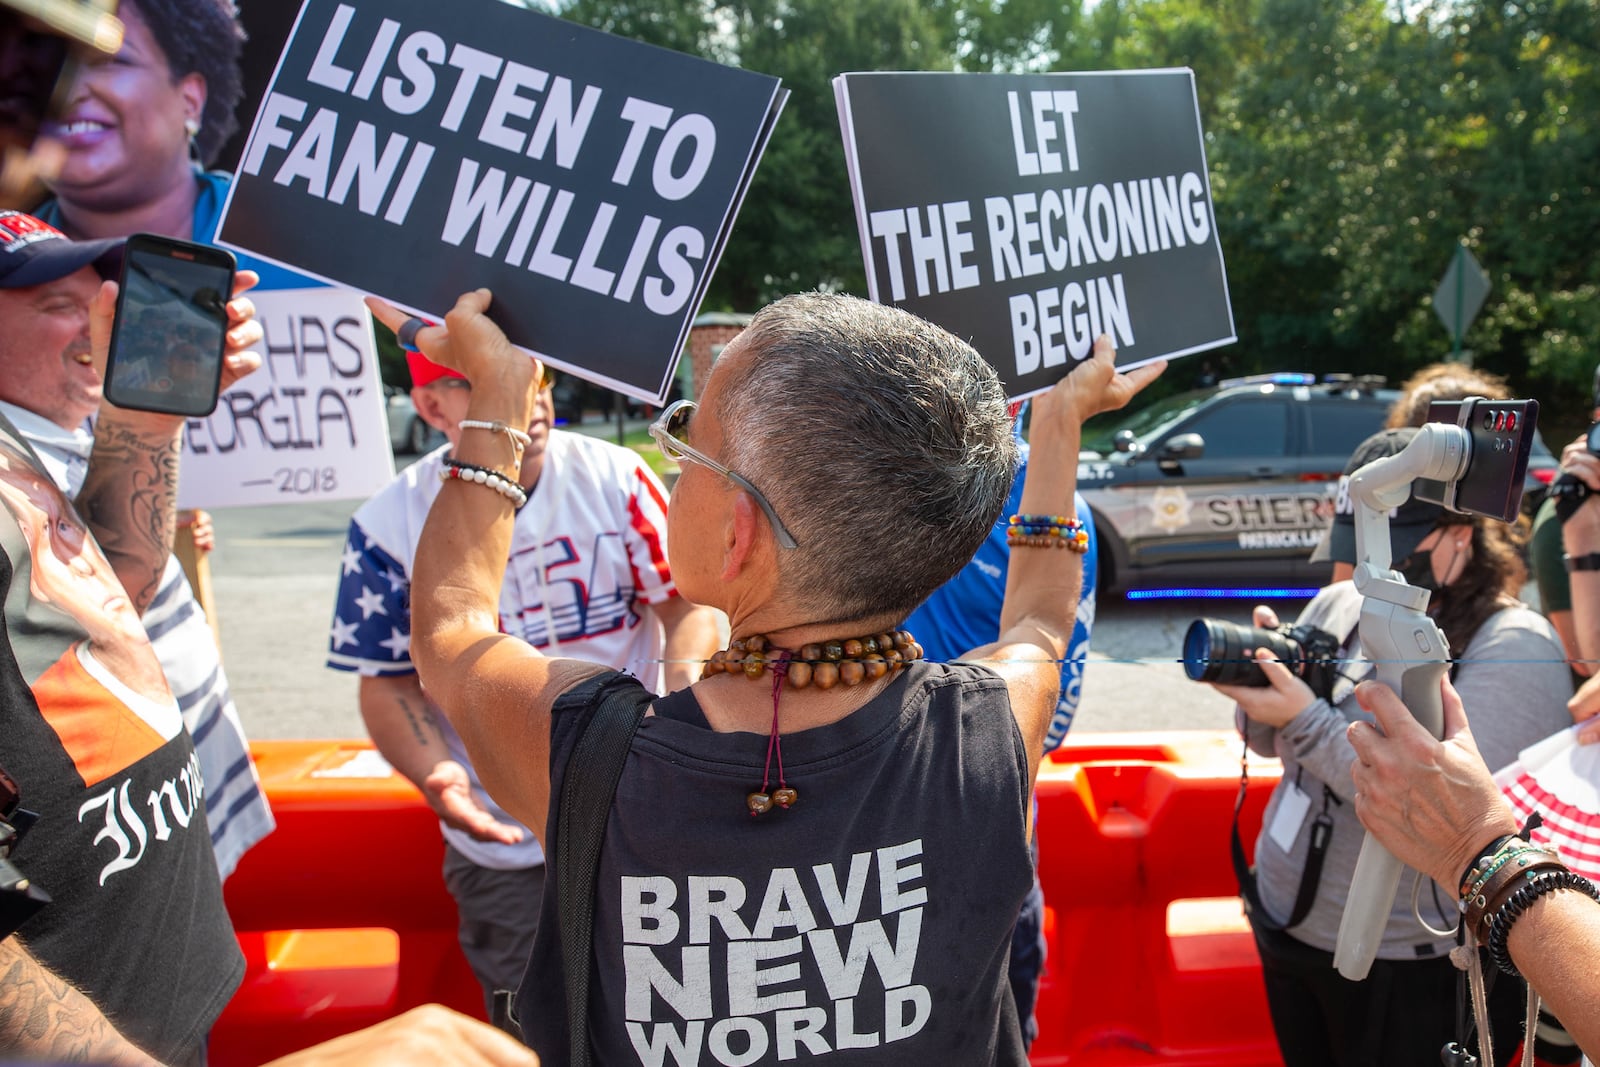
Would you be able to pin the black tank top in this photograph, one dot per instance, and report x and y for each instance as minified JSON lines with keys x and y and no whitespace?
{"x":869,"y":924}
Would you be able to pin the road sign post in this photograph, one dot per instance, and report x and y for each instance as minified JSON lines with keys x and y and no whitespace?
{"x":1460,"y":295}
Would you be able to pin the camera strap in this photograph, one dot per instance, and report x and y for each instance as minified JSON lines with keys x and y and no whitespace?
{"x":1310,"y":875}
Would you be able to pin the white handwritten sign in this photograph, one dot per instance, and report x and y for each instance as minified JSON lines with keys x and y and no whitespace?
{"x":309,"y":425}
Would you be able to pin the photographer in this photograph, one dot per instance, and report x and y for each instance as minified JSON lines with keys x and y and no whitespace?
{"x":1508,"y":663}
{"x":1574,"y":503}
{"x":1550,"y":558}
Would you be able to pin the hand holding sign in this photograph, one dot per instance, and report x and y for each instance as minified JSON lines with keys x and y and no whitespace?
{"x":1094,"y":386}
{"x":470,"y":344}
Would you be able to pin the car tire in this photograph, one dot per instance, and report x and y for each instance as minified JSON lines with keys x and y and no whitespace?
{"x":1106,"y":569}
{"x":417,"y":437}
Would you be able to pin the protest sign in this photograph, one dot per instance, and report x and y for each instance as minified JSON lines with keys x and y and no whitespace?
{"x":309,"y":425}
{"x":1031,"y":213}
{"x":417,"y":150}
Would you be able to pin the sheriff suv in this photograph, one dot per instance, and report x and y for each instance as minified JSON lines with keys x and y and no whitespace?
{"x":1228,"y":486}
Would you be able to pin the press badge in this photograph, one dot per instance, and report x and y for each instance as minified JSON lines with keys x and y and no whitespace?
{"x":1290,"y":816}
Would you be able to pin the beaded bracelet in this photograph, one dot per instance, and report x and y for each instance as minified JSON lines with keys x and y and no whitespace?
{"x":485,"y":476}
{"x":519,"y":439}
{"x":1513,"y":909}
{"x":1047,"y":531}
{"x":1483,"y":859}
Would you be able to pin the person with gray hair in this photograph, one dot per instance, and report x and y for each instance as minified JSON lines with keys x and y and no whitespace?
{"x":823,"y":842}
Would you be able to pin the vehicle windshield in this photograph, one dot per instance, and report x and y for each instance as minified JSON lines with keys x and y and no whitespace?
{"x":1146,"y":423}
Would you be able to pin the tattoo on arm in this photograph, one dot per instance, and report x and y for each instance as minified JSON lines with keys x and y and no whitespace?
{"x":421,"y":721}
{"x":127,"y":500}
{"x":45,"y":1018}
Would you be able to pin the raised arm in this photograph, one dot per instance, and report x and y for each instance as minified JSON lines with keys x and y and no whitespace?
{"x":1580,"y":537}
{"x":496,"y":690}
{"x":1042,"y":583}
{"x":132,"y":479}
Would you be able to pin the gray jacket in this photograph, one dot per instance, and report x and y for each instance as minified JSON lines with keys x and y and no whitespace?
{"x":1514,"y":683}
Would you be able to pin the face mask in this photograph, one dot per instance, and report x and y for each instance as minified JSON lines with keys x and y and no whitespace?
{"x":1417,"y":570}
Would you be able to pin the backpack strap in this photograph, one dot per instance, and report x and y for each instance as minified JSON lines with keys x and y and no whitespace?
{"x":588,"y":786}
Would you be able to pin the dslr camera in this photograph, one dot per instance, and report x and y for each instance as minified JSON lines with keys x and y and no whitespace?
{"x":1215,"y":650}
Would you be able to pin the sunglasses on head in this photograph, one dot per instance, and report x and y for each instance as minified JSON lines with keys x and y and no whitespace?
{"x":671,"y":433}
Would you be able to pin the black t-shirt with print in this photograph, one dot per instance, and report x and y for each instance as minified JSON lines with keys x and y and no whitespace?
{"x":869,"y":924}
{"x":137,"y":920}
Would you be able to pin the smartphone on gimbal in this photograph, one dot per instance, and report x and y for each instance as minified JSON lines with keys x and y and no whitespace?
{"x":1502,"y":435}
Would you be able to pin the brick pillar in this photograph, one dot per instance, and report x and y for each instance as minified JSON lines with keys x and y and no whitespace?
{"x":710,"y":333}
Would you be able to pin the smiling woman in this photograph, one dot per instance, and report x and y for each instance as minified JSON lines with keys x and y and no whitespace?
{"x":140,"y":126}
{"x":136,"y":121}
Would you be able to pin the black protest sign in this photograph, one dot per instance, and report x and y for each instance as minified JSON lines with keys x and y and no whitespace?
{"x":1031,"y":213}
{"x":417,"y":150}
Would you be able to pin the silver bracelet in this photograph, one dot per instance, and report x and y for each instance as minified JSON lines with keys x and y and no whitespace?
{"x":519,"y":439}
{"x":491,"y":479}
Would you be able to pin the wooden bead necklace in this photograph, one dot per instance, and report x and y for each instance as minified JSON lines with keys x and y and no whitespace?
{"x":852,"y":661}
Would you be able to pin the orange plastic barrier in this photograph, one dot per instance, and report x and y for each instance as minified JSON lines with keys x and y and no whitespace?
{"x":341,"y":911}
{"x":1150,"y":958}
{"x":345,"y":920}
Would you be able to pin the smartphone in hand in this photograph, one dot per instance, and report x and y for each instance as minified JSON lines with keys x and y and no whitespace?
{"x":171,"y":327}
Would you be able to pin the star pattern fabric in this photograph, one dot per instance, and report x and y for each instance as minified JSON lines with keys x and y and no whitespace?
{"x":371,"y":629}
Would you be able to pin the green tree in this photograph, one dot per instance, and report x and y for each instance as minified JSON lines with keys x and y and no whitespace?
{"x":797,"y":227}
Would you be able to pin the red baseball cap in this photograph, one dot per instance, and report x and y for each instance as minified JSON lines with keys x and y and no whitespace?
{"x":34,"y":252}
{"x":425,"y":371}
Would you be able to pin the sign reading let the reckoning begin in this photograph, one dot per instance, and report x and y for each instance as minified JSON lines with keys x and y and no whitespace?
{"x":1031,"y":213}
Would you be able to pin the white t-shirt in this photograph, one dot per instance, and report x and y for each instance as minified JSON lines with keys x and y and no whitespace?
{"x":588,"y":552}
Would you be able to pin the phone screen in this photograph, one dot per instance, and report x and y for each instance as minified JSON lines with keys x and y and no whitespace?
{"x":172,"y":318}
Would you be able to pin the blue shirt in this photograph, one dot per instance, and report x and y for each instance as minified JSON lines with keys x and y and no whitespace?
{"x":212,"y":194}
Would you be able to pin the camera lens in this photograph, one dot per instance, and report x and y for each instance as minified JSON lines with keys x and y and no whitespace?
{"x":1224,"y":652}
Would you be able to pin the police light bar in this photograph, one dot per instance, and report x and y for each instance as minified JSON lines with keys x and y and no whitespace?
{"x":1258,"y":593}
{"x":1275,"y":378}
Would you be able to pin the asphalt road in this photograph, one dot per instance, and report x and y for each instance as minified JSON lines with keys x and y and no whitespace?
{"x":275,"y":571}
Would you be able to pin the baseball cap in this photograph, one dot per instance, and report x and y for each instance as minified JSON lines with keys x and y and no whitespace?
{"x":425,"y":371}
{"x":34,"y":252}
{"x":1408,"y":524}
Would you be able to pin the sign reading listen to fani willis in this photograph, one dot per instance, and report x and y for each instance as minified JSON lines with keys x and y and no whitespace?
{"x":416,"y":150}
{"x":1031,"y":213}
